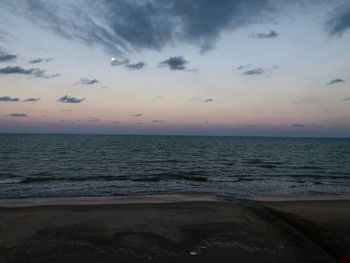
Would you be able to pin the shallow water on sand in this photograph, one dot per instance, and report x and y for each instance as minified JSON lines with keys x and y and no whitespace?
{"x":97,"y":165}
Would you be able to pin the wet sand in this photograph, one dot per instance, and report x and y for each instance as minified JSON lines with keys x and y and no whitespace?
{"x":173,"y":229}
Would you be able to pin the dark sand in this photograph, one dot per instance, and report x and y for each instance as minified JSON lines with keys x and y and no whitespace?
{"x":170,"y":229}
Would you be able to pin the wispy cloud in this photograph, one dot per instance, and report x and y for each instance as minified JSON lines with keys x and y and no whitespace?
{"x":174,"y":63}
{"x":32,"y":100}
{"x":9,"y":99}
{"x":335,"y":81}
{"x":116,"y":122}
{"x":157,"y":121}
{"x":208,"y":100}
{"x":40,"y":60}
{"x":134,"y":25}
{"x":137,"y":115}
{"x":87,"y":81}
{"x":68,"y":99}
{"x":271,"y":34}
{"x":347,"y":98}
{"x":18,"y":115}
{"x":35,"y":72}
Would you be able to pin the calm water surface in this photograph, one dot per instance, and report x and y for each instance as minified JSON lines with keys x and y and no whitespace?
{"x":94,"y":165}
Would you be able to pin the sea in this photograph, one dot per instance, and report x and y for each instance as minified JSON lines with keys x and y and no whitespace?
{"x":118,"y":165}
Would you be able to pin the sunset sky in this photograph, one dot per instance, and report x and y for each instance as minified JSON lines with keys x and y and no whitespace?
{"x":206,"y":67}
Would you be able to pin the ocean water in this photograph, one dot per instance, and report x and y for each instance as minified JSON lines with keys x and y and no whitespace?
{"x":101,"y":165}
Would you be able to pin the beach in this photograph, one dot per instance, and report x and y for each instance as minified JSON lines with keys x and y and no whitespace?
{"x":173,"y":228}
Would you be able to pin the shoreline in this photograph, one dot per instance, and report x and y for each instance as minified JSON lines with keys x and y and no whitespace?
{"x":173,"y":228}
{"x":153,"y":199}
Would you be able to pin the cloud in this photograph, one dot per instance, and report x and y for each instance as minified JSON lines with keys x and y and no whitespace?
{"x":252,"y":126}
{"x":19,"y":115}
{"x":243,"y":67}
{"x":137,"y":115}
{"x":254,"y":71}
{"x":87,"y":81}
{"x":136,"y":66}
{"x":67,"y":99}
{"x":32,"y":100}
{"x":127,"y":64}
{"x":335,"y":81}
{"x":157,"y":121}
{"x":271,"y":34}
{"x":340,"y":21}
{"x":347,"y":98}
{"x":298,"y":125}
{"x":35,"y":72}
{"x":139,"y":123}
{"x":125,"y":25}
{"x":40,"y":60}
{"x":8,"y":99}
{"x":116,"y":122}
{"x":6,"y":57}
{"x":208,"y":100}
{"x":174,"y":63}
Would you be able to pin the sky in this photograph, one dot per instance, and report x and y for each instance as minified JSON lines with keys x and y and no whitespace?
{"x":199,"y":67}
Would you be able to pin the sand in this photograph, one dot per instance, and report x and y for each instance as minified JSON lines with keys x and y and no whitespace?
{"x":173,"y":229}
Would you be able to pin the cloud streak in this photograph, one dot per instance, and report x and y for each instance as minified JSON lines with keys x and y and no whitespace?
{"x":126,"y":63}
{"x":32,"y":100}
{"x":18,"y":115}
{"x":271,"y":34}
{"x":335,"y":81}
{"x":8,"y":99}
{"x":87,"y":81}
{"x":68,"y":99}
{"x":34,"y":72}
{"x":40,"y":60}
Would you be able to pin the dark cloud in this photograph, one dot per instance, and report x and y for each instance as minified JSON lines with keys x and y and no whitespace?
{"x":126,"y":63}
{"x":20,"y":115}
{"x":40,"y":60}
{"x":174,"y":63}
{"x":298,"y":125}
{"x":335,"y":81}
{"x":35,"y":72}
{"x":116,"y":122}
{"x":125,"y":25}
{"x":347,"y":98}
{"x":271,"y":34}
{"x":32,"y":100}
{"x":9,"y":99}
{"x":208,"y":100}
{"x":340,"y":21}
{"x":137,"y":115}
{"x":6,"y":57}
{"x":87,"y":81}
{"x":67,"y":99}
{"x":254,"y":71}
